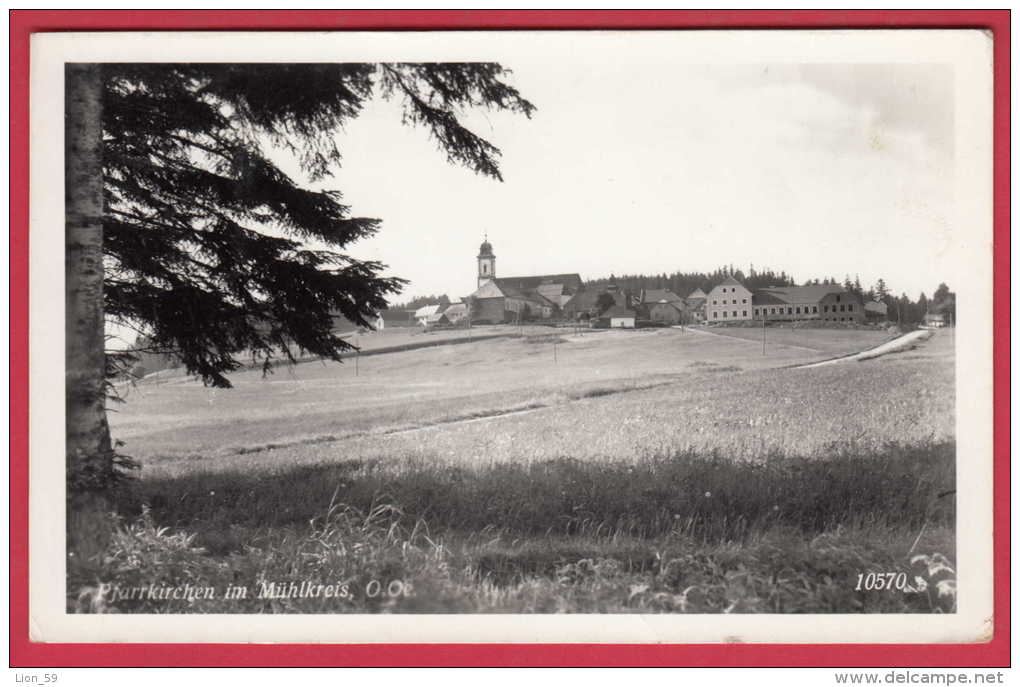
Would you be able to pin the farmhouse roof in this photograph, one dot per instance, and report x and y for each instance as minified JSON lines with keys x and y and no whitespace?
{"x":584,"y":300}
{"x":697,"y":293}
{"x":876,"y":307}
{"x":456,"y":311}
{"x":659,"y":296}
{"x":810,"y":293}
{"x":426,"y":310}
{"x":394,"y":316}
{"x":730,"y":281}
{"x":679,"y":306}
{"x":619,"y":311}
{"x":767,"y":298}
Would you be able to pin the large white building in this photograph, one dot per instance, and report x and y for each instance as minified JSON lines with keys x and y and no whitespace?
{"x":728,"y":301}
{"x":731,"y":301}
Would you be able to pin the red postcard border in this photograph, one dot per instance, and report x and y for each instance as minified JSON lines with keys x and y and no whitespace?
{"x":24,"y":653}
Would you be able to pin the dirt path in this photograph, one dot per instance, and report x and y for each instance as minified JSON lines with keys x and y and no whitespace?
{"x":902,"y":343}
{"x":750,"y":341}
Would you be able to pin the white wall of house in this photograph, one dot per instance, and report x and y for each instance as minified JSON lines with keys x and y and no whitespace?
{"x":728,"y":302}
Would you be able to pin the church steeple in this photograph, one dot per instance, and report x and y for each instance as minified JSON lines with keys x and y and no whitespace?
{"x":486,"y":262}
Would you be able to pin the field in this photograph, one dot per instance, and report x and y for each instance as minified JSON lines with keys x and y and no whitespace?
{"x":612,"y":471}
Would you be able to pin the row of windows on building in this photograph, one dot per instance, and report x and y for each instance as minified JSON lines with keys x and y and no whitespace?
{"x":734,"y":301}
{"x":790,"y":310}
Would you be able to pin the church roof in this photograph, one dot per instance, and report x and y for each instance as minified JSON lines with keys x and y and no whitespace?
{"x":489,"y":289}
{"x":485,"y":250}
{"x":571,"y":282}
{"x":550,"y":291}
{"x":529,"y":295}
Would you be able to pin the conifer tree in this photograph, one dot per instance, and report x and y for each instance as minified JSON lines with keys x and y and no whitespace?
{"x":181,"y":224}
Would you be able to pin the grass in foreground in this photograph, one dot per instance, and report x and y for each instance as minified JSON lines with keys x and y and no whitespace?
{"x":687,"y":532}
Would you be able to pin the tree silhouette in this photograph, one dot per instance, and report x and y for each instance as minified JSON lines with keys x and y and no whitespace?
{"x":604,"y":302}
{"x":181,"y":225}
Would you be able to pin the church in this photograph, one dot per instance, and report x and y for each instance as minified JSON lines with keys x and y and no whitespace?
{"x":509,"y":299}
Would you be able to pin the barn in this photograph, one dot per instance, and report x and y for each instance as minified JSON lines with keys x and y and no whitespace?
{"x":876,"y":311}
{"x":662,"y":306}
{"x":617,"y":317}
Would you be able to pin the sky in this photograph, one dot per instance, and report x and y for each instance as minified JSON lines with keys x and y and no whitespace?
{"x":640,"y":166}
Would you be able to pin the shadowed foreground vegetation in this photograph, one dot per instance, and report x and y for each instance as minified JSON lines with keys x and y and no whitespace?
{"x":682,"y":532}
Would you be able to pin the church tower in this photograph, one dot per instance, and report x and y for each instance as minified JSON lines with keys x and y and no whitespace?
{"x":486,"y":263}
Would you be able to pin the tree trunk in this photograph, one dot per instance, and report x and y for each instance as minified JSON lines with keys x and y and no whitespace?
{"x":89,"y":451}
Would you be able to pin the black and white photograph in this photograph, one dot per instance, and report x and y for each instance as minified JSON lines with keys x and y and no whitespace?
{"x":490,"y":329}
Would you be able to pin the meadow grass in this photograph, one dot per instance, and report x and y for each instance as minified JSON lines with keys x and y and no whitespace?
{"x":679,"y":532}
{"x":177,"y":416}
{"x":649,"y":471}
{"x":832,"y":342}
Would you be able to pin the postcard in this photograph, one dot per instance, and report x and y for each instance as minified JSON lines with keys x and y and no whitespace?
{"x":607,"y":336}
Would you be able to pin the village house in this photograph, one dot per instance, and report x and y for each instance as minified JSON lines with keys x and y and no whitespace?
{"x":728,"y":301}
{"x":509,"y":299}
{"x":397,"y":318}
{"x":436,"y":319}
{"x":456,"y":312}
{"x":616,"y":317}
{"x":695,"y":305}
{"x":582,"y":305}
{"x":343,"y":325}
{"x":876,"y":311}
{"x":662,"y":306}
{"x":422,"y":314}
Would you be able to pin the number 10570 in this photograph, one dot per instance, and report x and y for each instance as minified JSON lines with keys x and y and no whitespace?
{"x":878,"y":581}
